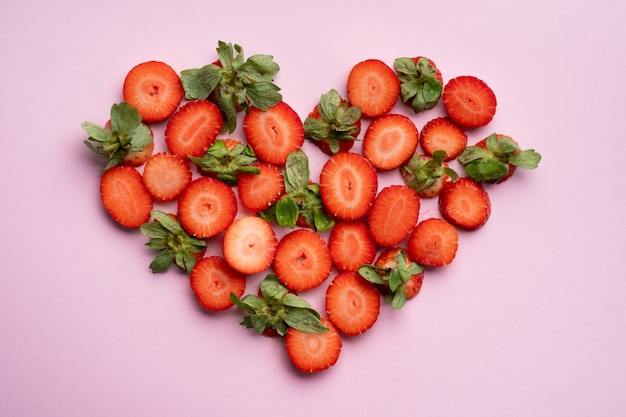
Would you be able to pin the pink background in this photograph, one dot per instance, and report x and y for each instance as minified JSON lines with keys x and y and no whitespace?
{"x":529,"y":319}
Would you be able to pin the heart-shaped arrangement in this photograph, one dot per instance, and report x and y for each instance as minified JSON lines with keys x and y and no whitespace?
{"x":256,"y":193}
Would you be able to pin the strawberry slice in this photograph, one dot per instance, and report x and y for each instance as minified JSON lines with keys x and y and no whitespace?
{"x":259,"y":191}
{"x":155,"y":89}
{"x":469,"y":101}
{"x":310,"y":352}
{"x":193,"y":129}
{"x":348,"y":185}
{"x":389,"y":141}
{"x":465,"y":203}
{"x":374,"y":87}
{"x":125,"y":196}
{"x":433,"y":242}
{"x":206,"y":207}
{"x":393,"y":214}
{"x":166,"y":176}
{"x":302,"y":260}
{"x":213,"y":280}
{"x":352,"y":303}
{"x":442,"y":134}
{"x":351,"y":245}
{"x":249,"y":244}
{"x":274,"y":133}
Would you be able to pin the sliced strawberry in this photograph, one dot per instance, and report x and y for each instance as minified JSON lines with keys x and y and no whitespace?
{"x":155,"y":89}
{"x":274,"y":133}
{"x":465,"y":203}
{"x":249,"y":244}
{"x":213,"y":280}
{"x":389,"y":141}
{"x":433,"y":242}
{"x":125,"y":196}
{"x":469,"y":101}
{"x":393,"y":214}
{"x":206,"y":207}
{"x":352,"y":303}
{"x":395,"y":275}
{"x":351,"y":245}
{"x":348,"y":185}
{"x":259,"y":191}
{"x":302,"y":260}
{"x":166,"y":176}
{"x":193,"y":129}
{"x":313,"y":352}
{"x":443,"y":134}
{"x":374,"y":87}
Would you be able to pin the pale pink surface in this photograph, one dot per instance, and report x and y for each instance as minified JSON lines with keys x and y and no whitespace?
{"x":529,"y":319}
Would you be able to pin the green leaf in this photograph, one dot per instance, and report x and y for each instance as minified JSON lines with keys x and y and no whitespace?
{"x":153,"y":230}
{"x":263,"y":94}
{"x":292,"y":300}
{"x":124,"y":118}
{"x":228,"y":108}
{"x":96,"y":132}
{"x":166,"y":221}
{"x":259,"y":68}
{"x":486,"y":170}
{"x":399,"y":299}
{"x":141,"y":137}
{"x":369,"y":273}
{"x":249,"y":302}
{"x":472,"y":153}
{"x":526,"y":159}
{"x":287,"y":212}
{"x":321,"y":220}
{"x":199,"y":83}
{"x":297,"y":172}
{"x":272,"y":289}
{"x":162,"y":261}
{"x":304,"y":320}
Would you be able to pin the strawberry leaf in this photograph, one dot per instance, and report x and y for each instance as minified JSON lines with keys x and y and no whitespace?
{"x":199,"y":83}
{"x":526,"y":159}
{"x":296,"y":172}
{"x":287,"y":212}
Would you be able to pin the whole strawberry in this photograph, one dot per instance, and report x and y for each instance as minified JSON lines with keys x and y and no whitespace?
{"x":234,"y":83}
{"x":122,"y":138}
{"x":277,"y":309}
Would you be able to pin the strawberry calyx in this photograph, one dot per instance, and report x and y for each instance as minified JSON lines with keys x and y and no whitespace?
{"x":234,"y":83}
{"x":124,"y":133}
{"x":302,"y":202}
{"x":226,"y":163}
{"x":333,"y":120}
{"x":422,"y":172}
{"x":392,"y":276}
{"x":174,"y":244}
{"x":418,"y":83}
{"x":493,"y":161}
{"x":277,"y":309}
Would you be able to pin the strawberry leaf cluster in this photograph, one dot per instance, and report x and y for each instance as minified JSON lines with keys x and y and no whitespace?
{"x":234,"y":83}
{"x":418,"y":83}
{"x":227,"y":163}
{"x":123,"y":134}
{"x":278,"y":309}
{"x":421,"y":173}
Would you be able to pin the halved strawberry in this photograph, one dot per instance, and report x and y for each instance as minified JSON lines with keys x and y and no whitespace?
{"x":469,"y":101}
{"x":348,"y":185}
{"x":352,"y":303}
{"x":389,"y":141}
{"x":125,"y":196}
{"x":442,"y":134}
{"x":155,"y":89}
{"x":465,"y":203}
{"x":193,"y":129}
{"x":249,"y":244}
{"x":313,"y":352}
{"x":395,"y":275}
{"x":374,"y":87}
{"x":274,"y":133}
{"x":259,"y":191}
{"x":334,"y":124}
{"x":213,"y":280}
{"x":302,"y":260}
{"x":433,"y":242}
{"x":206,"y":207}
{"x":166,"y":176}
{"x":393,"y":214}
{"x":351,"y":245}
